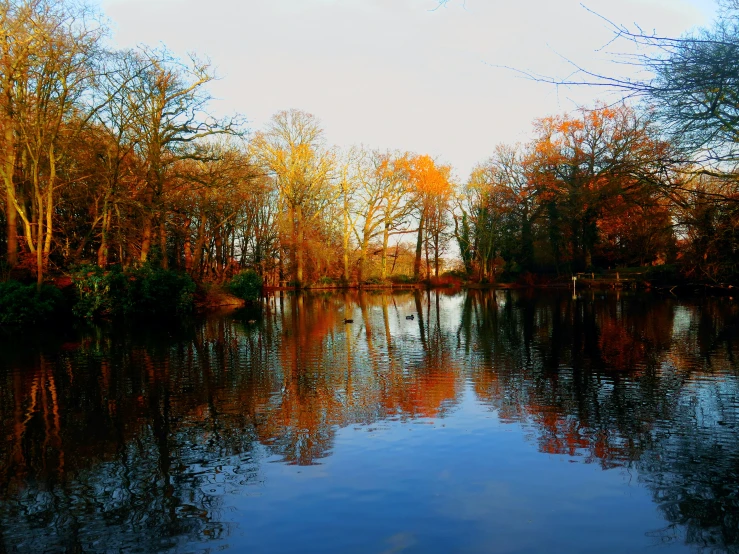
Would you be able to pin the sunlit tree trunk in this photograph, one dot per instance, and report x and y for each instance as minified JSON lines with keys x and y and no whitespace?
{"x":385,"y":240}
{"x":299,"y":246}
{"x":11,"y":217}
{"x":419,"y":245}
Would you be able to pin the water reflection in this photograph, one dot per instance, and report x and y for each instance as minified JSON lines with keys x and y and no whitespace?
{"x":141,"y":440}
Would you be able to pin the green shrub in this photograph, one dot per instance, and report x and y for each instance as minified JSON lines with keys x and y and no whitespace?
{"x":663,"y":274}
{"x":144,"y":291}
{"x":156,"y":291}
{"x":402,"y":279}
{"x":93,"y":291}
{"x":246,"y":285}
{"x":21,"y":305}
{"x":455,"y":273}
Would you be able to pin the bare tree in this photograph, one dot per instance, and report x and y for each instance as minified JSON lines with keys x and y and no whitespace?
{"x":293,"y":150}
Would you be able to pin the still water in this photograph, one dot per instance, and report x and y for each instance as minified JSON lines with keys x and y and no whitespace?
{"x":499,"y":421}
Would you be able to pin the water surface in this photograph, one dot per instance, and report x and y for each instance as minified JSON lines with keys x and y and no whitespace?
{"x":500,"y":421}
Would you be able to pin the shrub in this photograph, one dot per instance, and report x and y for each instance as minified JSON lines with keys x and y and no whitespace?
{"x":455,"y":273}
{"x":663,"y":274}
{"x":246,"y":285}
{"x":402,"y":279}
{"x":156,"y":291}
{"x":21,"y":305}
{"x":144,"y":291}
{"x":93,"y":291}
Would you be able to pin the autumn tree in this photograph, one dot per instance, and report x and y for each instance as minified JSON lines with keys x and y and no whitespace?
{"x":482,"y":222}
{"x":579,"y":164}
{"x":293,"y":150}
{"x":168,"y":102}
{"x":691,"y":83}
{"x":432,"y":190}
{"x":507,"y":204}
{"x":49,"y":52}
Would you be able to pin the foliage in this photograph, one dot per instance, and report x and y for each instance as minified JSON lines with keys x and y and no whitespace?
{"x":114,"y":159}
{"x":246,"y":285}
{"x":403,"y":279}
{"x":156,"y":291}
{"x":455,"y":273}
{"x":144,"y":291}
{"x":22,"y":305}
{"x":663,"y":274}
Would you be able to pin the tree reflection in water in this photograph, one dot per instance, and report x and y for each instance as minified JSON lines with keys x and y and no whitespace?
{"x":130,"y":439}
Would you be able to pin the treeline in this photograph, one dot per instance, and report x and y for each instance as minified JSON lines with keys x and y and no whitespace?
{"x":652,"y":184}
{"x":587,"y":191}
{"x":111,"y":158}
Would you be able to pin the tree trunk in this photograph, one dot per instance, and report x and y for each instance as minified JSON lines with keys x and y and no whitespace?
{"x":147,"y":226}
{"x":146,"y":238}
{"x":163,"y":240}
{"x":385,"y":239}
{"x":39,"y":242}
{"x":347,"y":232}
{"x":103,"y":250}
{"x":39,"y":220}
{"x":219,"y":253}
{"x":419,"y":246}
{"x":362,"y":258}
{"x":436,"y":255}
{"x":426,"y":252}
{"x":199,"y":245}
{"x":299,"y":232}
{"x":187,"y":247}
{"x":49,"y":205}
{"x":11,"y":217}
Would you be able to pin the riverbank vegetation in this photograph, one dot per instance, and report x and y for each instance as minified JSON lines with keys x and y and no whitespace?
{"x":116,"y":174}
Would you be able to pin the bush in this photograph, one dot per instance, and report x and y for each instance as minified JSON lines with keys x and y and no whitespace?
{"x":155,"y":291}
{"x":21,"y":305}
{"x":402,"y":279}
{"x":246,"y":285}
{"x":456,"y":274}
{"x":93,"y":291}
{"x":663,"y":274}
{"x":144,"y":291}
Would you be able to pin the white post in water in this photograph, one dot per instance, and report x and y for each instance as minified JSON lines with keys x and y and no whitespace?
{"x":574,"y":292}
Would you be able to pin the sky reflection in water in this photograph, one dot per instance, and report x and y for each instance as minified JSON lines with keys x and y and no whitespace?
{"x":492,"y":422}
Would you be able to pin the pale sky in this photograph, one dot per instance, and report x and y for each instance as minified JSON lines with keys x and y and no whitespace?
{"x":396,"y":73}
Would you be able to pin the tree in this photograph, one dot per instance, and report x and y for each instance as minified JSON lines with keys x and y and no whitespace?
{"x":48,"y":54}
{"x":580,"y":164}
{"x":432,"y":190}
{"x":167,"y":100}
{"x":393,"y":172}
{"x":293,"y":150}
{"x":693,"y":87}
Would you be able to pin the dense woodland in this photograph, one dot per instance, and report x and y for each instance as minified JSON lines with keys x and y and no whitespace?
{"x":111,"y":158}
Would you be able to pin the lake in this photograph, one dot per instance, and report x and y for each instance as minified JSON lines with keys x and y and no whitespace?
{"x":492,"y":421}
